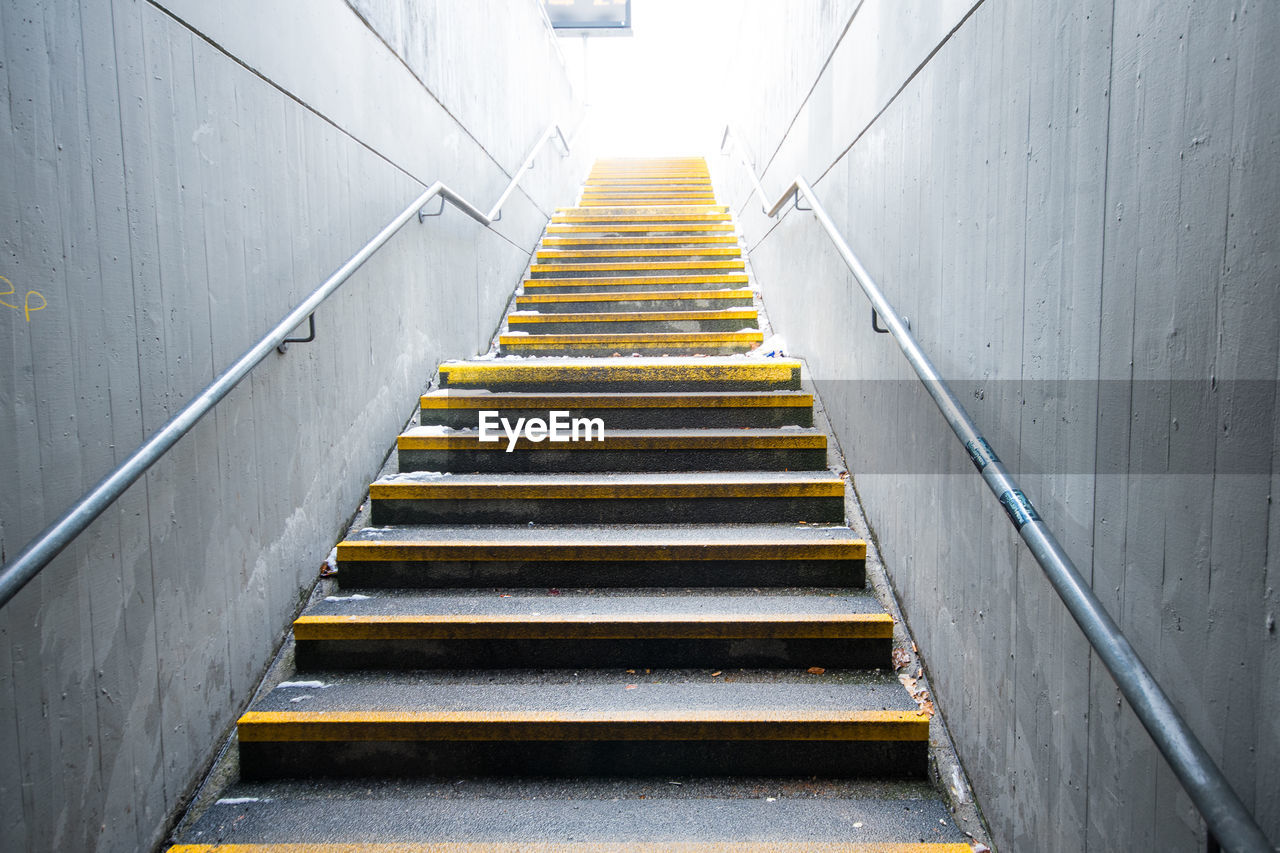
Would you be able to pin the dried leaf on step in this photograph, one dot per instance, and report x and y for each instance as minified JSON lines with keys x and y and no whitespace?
{"x":900,"y":658}
{"x":816,"y":670}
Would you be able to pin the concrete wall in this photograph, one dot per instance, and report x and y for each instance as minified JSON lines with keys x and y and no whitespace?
{"x":175,"y":175}
{"x":1076,"y":205}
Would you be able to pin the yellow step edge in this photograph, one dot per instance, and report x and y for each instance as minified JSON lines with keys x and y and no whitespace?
{"x":624,"y":218}
{"x":651,"y":210}
{"x":631,"y":266}
{"x":558,"y":846}
{"x":633,"y":281}
{"x":661,"y":370}
{"x":631,"y":338}
{"x":642,"y":191}
{"x":657,"y":228}
{"x":745,"y":441}
{"x":582,"y":725}
{"x":552,"y":490}
{"x":702,"y":240}
{"x":649,"y":204}
{"x":625,"y":344}
{"x":514,"y":320}
{"x":579,"y":626}
{"x":453,"y":400}
{"x":575,"y":552}
{"x":711,"y":252}
{"x":626,"y":199}
{"x":631,"y":296}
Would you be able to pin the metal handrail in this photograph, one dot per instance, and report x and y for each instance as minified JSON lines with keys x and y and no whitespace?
{"x":1228,"y":820}
{"x":42,"y":549}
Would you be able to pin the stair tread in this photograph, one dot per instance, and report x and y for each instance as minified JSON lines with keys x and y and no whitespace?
{"x":633,"y":296}
{"x":618,"y":478}
{"x":638,"y":606}
{"x":679,"y":815}
{"x":434,"y":437}
{"x":658,"y":537}
{"x":535,"y":317}
{"x":462,"y":398}
{"x":543,"y":696}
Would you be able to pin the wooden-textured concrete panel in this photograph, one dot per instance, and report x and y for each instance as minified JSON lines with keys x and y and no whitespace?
{"x":1067,"y":200}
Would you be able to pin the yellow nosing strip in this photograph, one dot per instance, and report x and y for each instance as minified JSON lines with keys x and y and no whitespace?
{"x":739,"y":440}
{"x":464,"y":400}
{"x":632,"y":317}
{"x":574,"y":552}
{"x":627,"y":281}
{"x":570,"y":725}
{"x":709,"y":251}
{"x":702,"y":626}
{"x":632,"y":296}
{"x":661,"y":228}
{"x":630,"y":343}
{"x":631,"y":266}
{"x":500,"y":490}
{"x":623,"y":370}
{"x":703,"y":240}
{"x":570,"y":214}
{"x":558,"y":846}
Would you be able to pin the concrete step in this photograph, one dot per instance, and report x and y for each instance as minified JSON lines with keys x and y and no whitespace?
{"x":590,"y":723}
{"x":672,"y":410}
{"x":551,"y":242}
{"x":633,"y":322}
{"x":602,"y":284}
{"x":658,"y":815}
{"x":724,"y":226}
{"x":623,"y":374}
{"x":569,"y":256}
{"x":664,"y":212}
{"x":624,"y":193}
{"x":603,"y":269}
{"x":630,"y":215}
{"x":607,"y":344}
{"x":652,"y":300}
{"x":588,"y":203}
{"x":684,"y":556}
{"x":430,"y":449}
{"x":637,"y":498}
{"x":575,"y":629}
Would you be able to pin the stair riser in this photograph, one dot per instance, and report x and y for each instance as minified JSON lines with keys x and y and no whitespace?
{"x":832,"y":759}
{"x":570,"y":654}
{"x":635,"y":268}
{"x":618,"y":385}
{"x":622,"y":348}
{"x":688,"y":253}
{"x":569,"y":574}
{"x":621,"y":304}
{"x":608,"y":511}
{"x":548,"y":459}
{"x":603,"y":284}
{"x":633,"y":327}
{"x":664,"y":418}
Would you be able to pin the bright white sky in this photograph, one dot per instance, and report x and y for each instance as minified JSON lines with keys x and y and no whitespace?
{"x":667,"y":88}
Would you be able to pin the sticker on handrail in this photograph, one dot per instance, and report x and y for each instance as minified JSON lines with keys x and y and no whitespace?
{"x":1019,"y":508}
{"x":980,"y":452}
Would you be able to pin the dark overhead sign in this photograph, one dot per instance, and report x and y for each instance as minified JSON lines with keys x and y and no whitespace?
{"x":603,"y":15}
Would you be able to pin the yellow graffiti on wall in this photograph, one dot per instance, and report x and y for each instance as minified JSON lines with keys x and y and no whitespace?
{"x":27,"y":308}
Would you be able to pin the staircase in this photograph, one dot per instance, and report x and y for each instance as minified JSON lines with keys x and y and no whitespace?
{"x":657,"y":639}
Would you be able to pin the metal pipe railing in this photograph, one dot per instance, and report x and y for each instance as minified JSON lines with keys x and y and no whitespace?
{"x":41,"y":550}
{"x":1228,"y":820}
